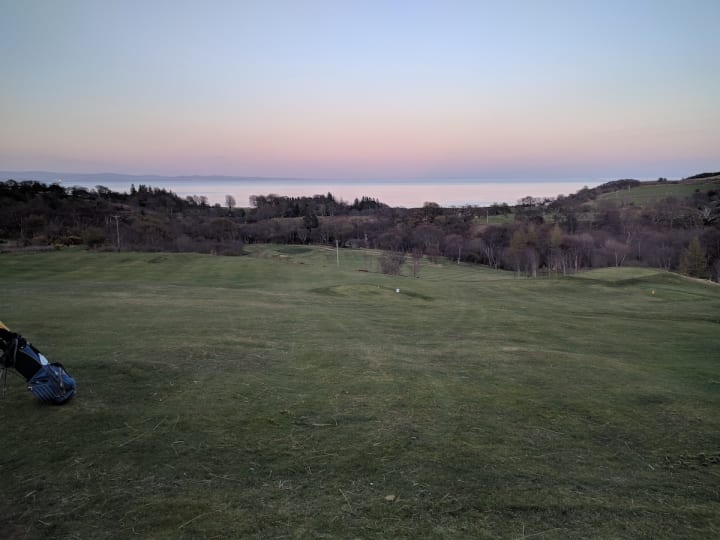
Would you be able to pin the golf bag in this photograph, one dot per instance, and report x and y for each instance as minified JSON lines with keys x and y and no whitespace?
{"x":49,"y":382}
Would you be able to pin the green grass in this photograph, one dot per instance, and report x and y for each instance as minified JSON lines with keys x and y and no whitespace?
{"x":650,"y":194}
{"x":498,"y":219}
{"x":278,"y":395}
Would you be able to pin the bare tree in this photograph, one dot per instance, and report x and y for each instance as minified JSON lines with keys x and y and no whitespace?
{"x":391,"y":261}
{"x":230,"y":203}
{"x":616,"y":251}
{"x":453,"y":246}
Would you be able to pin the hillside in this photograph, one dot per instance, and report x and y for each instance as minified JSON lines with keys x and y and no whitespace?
{"x":620,"y":223}
{"x":281,"y":394}
{"x":703,"y":177}
{"x":650,"y":193}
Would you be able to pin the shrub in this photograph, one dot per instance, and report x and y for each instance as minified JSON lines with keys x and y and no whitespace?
{"x":391,"y":262}
{"x":93,"y":237}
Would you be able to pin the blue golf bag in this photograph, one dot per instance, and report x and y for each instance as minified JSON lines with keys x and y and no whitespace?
{"x":49,"y":382}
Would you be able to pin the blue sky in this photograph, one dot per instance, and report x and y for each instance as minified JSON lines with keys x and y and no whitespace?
{"x":361,"y":89}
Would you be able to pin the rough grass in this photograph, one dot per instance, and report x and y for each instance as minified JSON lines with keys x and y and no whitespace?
{"x":650,"y":194}
{"x":279,"y":395}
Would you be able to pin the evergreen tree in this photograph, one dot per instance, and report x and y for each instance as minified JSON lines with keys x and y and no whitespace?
{"x":694,"y":261}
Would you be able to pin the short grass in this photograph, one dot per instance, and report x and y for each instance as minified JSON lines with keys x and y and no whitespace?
{"x":278,"y":395}
{"x":498,"y":219}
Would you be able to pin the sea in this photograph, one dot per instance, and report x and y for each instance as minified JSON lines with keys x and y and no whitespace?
{"x":407,"y":193}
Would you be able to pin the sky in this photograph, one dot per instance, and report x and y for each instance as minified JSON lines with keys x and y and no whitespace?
{"x":368,"y":89}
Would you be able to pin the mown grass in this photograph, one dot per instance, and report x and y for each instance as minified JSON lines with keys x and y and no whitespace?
{"x":281,"y":395}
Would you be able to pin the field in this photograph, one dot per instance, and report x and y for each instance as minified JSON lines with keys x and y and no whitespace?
{"x":279,"y":395}
{"x":652,"y":193}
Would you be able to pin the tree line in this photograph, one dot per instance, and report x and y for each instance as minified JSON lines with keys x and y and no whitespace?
{"x":534,"y":237}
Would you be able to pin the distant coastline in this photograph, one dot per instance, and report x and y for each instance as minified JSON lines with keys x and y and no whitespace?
{"x":405,"y":192}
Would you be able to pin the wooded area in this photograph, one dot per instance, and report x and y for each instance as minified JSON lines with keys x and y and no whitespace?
{"x":595,"y":227}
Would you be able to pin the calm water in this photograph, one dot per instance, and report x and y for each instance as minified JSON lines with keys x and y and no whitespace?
{"x":407,"y":193}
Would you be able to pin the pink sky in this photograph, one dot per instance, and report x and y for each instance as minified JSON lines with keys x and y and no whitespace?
{"x":362,"y":90}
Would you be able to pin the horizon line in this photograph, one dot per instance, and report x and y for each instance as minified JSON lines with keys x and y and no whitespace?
{"x":401,"y":178}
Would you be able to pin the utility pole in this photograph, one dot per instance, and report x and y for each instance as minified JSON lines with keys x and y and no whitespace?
{"x":117,"y":230}
{"x":337,"y":251}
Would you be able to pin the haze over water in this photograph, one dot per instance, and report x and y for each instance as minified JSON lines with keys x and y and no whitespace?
{"x":407,"y":193}
{"x":393,"y":192}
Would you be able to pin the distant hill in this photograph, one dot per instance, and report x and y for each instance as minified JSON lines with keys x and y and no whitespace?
{"x":705,"y":175}
{"x":649,"y":193}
